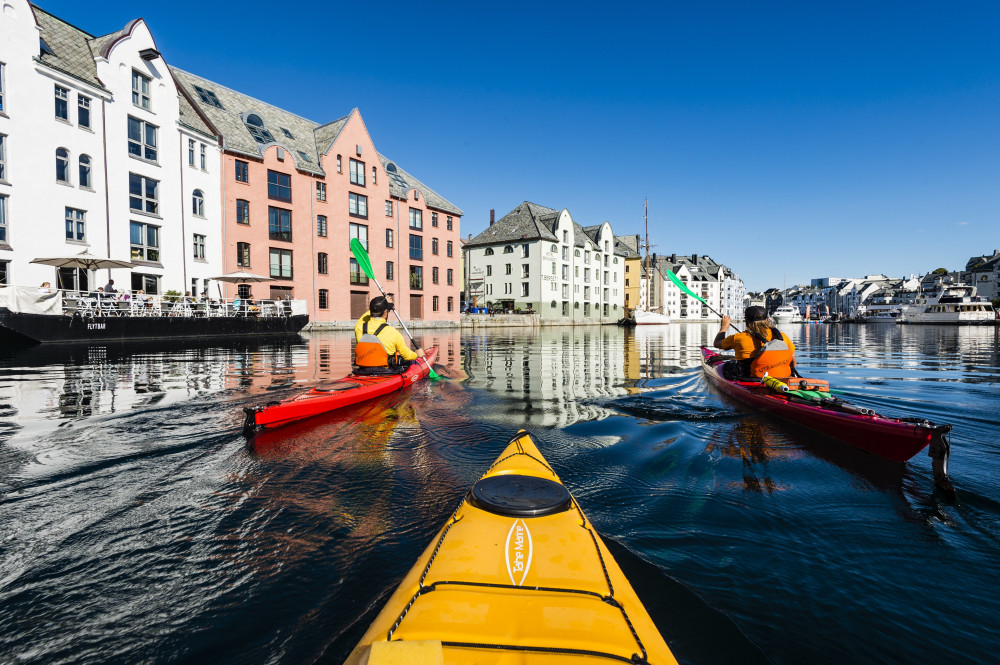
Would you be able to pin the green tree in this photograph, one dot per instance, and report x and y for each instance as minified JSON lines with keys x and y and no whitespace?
{"x":940,"y":271}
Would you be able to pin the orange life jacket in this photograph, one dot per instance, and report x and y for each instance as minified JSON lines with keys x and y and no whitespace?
{"x":773,"y":358}
{"x":369,"y":352}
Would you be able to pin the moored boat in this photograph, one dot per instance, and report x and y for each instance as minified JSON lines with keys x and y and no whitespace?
{"x":30,"y":317}
{"x":786,"y":314}
{"x":951,"y":303}
{"x":897,"y":439}
{"x":516,"y":575}
{"x":351,"y":389}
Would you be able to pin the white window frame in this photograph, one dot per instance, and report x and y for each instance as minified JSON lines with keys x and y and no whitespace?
{"x":145,"y":247}
{"x":148,"y":203}
{"x":76,"y":222}
{"x":3,"y":218}
{"x":320,"y":191}
{"x":66,"y":180}
{"x":359,"y":231}
{"x":190,"y":152}
{"x":204,"y":157}
{"x":358,"y":205}
{"x":146,"y":151}
{"x":416,"y":219}
{"x":198,"y":203}
{"x":140,"y":92}
{"x":3,"y":87}
{"x":357,"y":173}
{"x":388,"y":208}
{"x":85,"y":172}
{"x":3,"y":158}
{"x":199,"y":247}
{"x":61,"y":93}
{"x":83,"y":109}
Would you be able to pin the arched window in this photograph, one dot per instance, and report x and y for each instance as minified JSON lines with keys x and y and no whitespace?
{"x":62,"y":165}
{"x":489,"y":251}
{"x":508,"y":249}
{"x":256,"y":128}
{"x":85,"y":171}
{"x":554,"y":248}
{"x":576,"y":253}
{"x":198,"y":203}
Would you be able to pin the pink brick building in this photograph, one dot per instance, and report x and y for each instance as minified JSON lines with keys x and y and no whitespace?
{"x":295,"y":192}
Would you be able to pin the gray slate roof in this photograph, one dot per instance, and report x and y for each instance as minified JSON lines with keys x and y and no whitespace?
{"x":401,"y":182}
{"x":528,"y":221}
{"x":70,"y":46}
{"x":623,"y":247}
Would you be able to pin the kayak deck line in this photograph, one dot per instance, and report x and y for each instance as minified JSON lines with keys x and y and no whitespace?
{"x":517,"y":483}
{"x":896,"y":439}
{"x":332,"y":395}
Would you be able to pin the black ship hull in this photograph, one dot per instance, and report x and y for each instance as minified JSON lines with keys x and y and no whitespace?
{"x":63,"y":328}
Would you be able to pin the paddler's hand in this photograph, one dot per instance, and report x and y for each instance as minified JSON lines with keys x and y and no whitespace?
{"x":726,"y":322}
{"x":420,"y":353}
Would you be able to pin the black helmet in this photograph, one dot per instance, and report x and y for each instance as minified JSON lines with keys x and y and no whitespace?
{"x":754,"y":313}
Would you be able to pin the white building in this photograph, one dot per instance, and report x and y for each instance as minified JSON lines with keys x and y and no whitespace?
{"x":94,"y":156}
{"x":713,"y":282}
{"x":537,"y":258}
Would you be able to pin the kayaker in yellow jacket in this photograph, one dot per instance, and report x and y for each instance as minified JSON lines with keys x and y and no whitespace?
{"x":754,"y":354}
{"x":381,"y":348}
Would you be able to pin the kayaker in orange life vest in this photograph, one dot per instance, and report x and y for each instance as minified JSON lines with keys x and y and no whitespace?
{"x":380,"y":348}
{"x":761,"y":348}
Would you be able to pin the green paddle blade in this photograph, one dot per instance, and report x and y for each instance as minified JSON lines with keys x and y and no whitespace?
{"x":362,"y":257}
{"x":680,"y":285}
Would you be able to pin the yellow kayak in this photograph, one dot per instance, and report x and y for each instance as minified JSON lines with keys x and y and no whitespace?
{"x":517,"y":575}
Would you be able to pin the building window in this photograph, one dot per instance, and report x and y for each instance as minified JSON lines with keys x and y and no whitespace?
{"x":451,"y":303}
{"x":416,"y":247}
{"x":62,"y":165}
{"x":145,"y":240}
{"x":416,"y":219}
{"x":141,"y":139}
{"x":451,"y":277}
{"x":321,"y":226}
{"x":434,"y":303}
{"x":388,"y":237}
{"x":358,"y":205}
{"x":434,"y":275}
{"x":279,"y":223}
{"x":199,"y":247}
{"x":448,"y":248}
{"x":390,"y":270}
{"x":525,"y":268}
{"x":76,"y":224}
{"x":3,"y":157}
{"x":357,"y":275}
{"x":525,"y":248}
{"x":434,"y":219}
{"x":83,"y":111}
{"x":140,"y":90}
{"x":321,"y":191}
{"x":324,"y":298}
{"x":374,"y":172}
{"x":489,"y":270}
{"x":416,"y":277}
{"x":5,"y":272}
{"x":434,"y":246}
{"x":359,"y":231}
{"x":524,"y":289}
{"x":62,"y":103}
{"x":255,"y":126}
{"x":281,"y":263}
{"x":190,"y":152}
{"x":339,"y":165}
{"x":198,"y":203}
{"x":208,"y":97}
{"x":488,"y":251}
{"x":243,"y":255}
{"x":508,"y":249}
{"x":565,"y":253}
{"x":507,"y":269}
{"x":3,"y":87}
{"x":242,"y":212}
{"x":447,"y":223}
{"x":321,"y":263}
{"x":3,"y":218}
{"x":84,"y":172}
{"x":204,"y":158}
{"x":142,"y":193}
{"x":242,"y":171}
{"x":279,"y":186}
{"x":357,"y":173}
{"x":388,"y":208}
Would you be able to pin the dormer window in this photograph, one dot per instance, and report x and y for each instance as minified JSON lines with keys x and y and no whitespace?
{"x":208,"y":97}
{"x":256,"y":128}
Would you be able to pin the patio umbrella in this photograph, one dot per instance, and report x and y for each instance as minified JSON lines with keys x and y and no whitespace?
{"x":84,"y":260}
{"x":241,"y":277}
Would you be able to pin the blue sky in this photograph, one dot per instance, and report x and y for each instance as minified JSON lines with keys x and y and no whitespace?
{"x":788,"y":140}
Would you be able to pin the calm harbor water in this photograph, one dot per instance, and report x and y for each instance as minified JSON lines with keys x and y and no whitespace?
{"x":138,"y":525}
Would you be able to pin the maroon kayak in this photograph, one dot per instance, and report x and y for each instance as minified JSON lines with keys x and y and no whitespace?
{"x":897,"y":439}
{"x":343,"y":392}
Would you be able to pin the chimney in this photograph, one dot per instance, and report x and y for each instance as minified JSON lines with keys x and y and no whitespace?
{"x":493,"y":215}
{"x":694,"y":258}
{"x":673,"y":258}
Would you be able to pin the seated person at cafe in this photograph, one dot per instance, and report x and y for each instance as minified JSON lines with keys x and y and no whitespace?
{"x":380,"y":348}
{"x":761,"y":349}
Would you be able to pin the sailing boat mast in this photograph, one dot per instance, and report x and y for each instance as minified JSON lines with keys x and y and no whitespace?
{"x":649,"y":280}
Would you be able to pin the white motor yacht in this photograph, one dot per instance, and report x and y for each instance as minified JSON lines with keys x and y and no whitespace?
{"x":786,"y":314}
{"x":951,"y":304}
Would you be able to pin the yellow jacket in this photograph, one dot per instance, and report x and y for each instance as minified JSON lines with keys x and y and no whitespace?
{"x":391,"y":339}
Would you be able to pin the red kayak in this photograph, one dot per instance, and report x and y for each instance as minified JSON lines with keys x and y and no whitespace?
{"x":897,"y":439}
{"x":337,"y":394}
